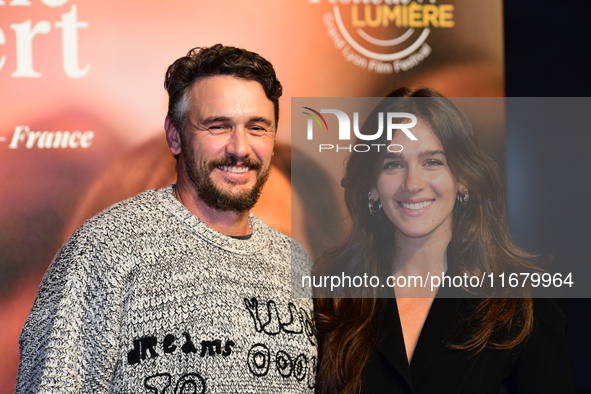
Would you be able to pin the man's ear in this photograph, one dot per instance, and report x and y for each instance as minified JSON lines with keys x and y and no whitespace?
{"x":173,"y":137}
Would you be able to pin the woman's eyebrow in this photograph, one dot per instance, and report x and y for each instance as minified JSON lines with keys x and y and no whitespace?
{"x":427,"y":153}
{"x":393,"y":155}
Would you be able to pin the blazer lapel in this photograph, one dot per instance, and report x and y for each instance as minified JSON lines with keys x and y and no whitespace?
{"x":439,"y":330}
{"x":391,"y":345}
{"x":445,"y":325}
{"x":441,"y":326}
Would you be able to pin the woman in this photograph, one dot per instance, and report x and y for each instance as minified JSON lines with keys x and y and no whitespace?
{"x":437,"y":206}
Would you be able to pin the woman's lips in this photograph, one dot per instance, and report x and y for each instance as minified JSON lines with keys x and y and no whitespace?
{"x":415,"y":207}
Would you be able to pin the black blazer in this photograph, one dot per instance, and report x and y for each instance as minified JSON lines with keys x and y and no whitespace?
{"x":539,"y":365}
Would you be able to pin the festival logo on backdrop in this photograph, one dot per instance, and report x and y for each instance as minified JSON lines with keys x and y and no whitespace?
{"x":385,"y":36}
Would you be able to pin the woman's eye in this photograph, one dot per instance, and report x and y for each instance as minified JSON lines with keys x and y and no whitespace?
{"x":433,"y":162}
{"x":392,"y":165}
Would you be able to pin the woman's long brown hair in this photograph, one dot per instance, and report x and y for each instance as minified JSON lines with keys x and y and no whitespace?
{"x":480,"y":243}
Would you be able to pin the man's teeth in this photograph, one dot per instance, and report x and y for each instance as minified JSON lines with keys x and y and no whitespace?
{"x":418,"y":205}
{"x":235,"y":169}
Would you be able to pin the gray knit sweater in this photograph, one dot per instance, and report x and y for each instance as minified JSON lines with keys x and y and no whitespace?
{"x":146,"y":298}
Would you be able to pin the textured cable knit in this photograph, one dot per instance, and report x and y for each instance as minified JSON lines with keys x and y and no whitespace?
{"x":146,"y":298}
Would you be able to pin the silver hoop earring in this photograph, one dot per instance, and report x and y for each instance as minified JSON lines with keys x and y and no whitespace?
{"x":463,"y":197}
{"x":373,"y":204}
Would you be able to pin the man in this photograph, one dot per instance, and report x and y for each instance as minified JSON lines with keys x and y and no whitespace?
{"x":180,"y":289}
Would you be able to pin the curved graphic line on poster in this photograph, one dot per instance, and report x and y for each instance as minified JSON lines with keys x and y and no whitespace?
{"x":374,"y":55}
{"x":385,"y":43}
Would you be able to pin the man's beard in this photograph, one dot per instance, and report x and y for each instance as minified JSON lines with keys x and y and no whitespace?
{"x":200,"y":176}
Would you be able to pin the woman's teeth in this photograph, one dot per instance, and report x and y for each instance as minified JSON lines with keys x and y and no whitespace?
{"x":417,"y":205}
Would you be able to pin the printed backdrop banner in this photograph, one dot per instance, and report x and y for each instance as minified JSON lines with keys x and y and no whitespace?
{"x":82,"y":103}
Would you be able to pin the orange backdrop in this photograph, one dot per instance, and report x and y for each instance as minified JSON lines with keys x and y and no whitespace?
{"x":82,"y":103}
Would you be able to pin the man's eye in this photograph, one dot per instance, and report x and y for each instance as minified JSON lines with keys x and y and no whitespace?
{"x":218,"y":129}
{"x":257,"y":131}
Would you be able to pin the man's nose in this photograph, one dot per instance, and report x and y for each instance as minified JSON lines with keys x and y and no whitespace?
{"x":238,"y":144}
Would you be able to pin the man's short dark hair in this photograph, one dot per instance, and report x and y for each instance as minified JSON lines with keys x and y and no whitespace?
{"x":216,"y":60}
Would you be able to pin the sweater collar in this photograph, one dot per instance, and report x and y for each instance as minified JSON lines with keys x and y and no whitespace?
{"x":257,"y":242}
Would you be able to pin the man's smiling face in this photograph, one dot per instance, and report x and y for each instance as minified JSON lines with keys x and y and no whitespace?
{"x":227,"y":144}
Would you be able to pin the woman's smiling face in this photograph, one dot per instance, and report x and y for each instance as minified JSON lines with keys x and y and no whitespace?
{"x":416,"y":187}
